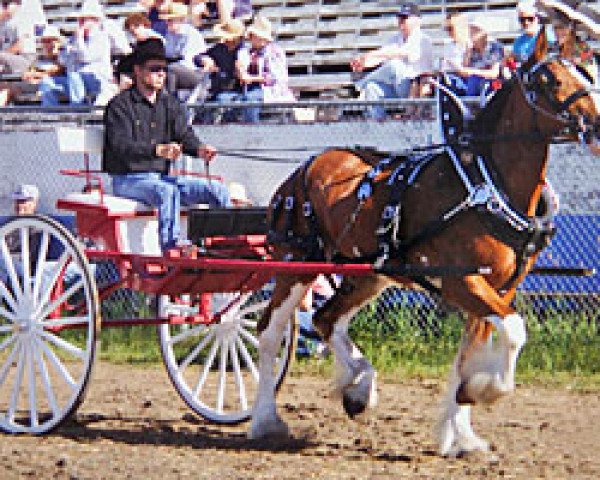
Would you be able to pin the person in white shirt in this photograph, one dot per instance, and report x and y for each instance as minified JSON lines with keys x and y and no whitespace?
{"x":89,"y":77}
{"x":404,"y":58}
{"x":17,"y":40}
{"x":182,"y":41}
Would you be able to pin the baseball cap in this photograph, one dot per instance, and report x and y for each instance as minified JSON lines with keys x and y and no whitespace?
{"x":26,"y":192}
{"x":408,"y":9}
{"x":527,"y":7}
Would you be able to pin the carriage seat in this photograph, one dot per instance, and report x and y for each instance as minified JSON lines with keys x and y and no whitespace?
{"x":117,"y":223}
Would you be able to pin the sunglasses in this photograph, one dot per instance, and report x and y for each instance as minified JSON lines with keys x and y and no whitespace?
{"x":157,"y":68}
{"x":524,"y":20}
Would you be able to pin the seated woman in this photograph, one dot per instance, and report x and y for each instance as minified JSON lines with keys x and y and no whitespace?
{"x":262,"y":69}
{"x":479,"y":71}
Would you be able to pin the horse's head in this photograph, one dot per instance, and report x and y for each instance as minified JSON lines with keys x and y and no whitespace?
{"x":556,"y":86}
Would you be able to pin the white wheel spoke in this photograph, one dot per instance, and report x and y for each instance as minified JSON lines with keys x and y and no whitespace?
{"x":40,"y":265}
{"x":209,"y":361}
{"x":14,"y":395}
{"x":9,"y":360}
{"x":58,"y":268}
{"x":6,"y":295}
{"x":196,"y":351}
{"x":25,"y":262}
{"x":63,"y":344}
{"x":10,"y":266}
{"x":239,"y":381}
{"x":248,"y":336}
{"x":60,"y":368}
{"x":39,"y":358}
{"x":7,"y":341}
{"x":62,"y":299}
{"x":222,"y":376}
{"x":250,"y":323}
{"x":247,"y":358}
{"x":61,"y":322}
{"x":185,"y":334}
{"x":33,"y":414}
{"x":8,"y":315}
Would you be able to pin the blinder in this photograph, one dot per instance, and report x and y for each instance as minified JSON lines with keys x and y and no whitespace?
{"x":539,"y":80}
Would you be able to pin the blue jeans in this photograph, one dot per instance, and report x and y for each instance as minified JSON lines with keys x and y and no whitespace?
{"x":252,"y":114}
{"x":471,"y":86}
{"x":390,"y":80}
{"x":229,"y":115}
{"x":167,"y":194}
{"x":79,"y":87}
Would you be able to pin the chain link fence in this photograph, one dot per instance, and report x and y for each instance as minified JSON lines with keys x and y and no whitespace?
{"x":261,"y":155}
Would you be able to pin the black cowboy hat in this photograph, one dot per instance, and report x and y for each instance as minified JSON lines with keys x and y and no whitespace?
{"x":408,"y":9}
{"x":150,"y":49}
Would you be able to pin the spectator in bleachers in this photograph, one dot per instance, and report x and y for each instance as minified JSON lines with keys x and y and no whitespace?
{"x":154,"y":9}
{"x":182,"y":41}
{"x":119,"y":43}
{"x":87,"y":61}
{"x":219,"y":61}
{"x":479,"y":71}
{"x":262,"y":69}
{"x":574,"y":48}
{"x":17,"y":40}
{"x":576,"y":12}
{"x":529,"y":19}
{"x":399,"y":62}
{"x":138,"y":27}
{"x":229,"y":9}
{"x":46,"y":65}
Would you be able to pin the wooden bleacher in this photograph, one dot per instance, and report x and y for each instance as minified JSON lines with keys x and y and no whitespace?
{"x":320,"y":37}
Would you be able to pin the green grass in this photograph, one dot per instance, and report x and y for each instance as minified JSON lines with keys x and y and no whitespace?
{"x":561,"y":349}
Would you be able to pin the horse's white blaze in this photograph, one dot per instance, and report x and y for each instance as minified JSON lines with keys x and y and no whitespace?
{"x":264,"y":416}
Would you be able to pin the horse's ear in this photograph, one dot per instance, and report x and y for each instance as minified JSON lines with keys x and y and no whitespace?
{"x":541,"y":46}
{"x":567,"y":49}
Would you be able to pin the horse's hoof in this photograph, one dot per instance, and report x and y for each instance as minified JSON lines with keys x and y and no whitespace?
{"x":353,"y":407}
{"x":462,"y":396}
{"x":274,"y":429}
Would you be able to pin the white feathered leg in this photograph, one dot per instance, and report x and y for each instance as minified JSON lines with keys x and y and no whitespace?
{"x":485,"y":375}
{"x":265,"y":420}
{"x":355,"y":376}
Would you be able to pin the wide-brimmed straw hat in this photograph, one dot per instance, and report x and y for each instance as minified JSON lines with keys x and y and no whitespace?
{"x":229,"y":30}
{"x":51,"y":31}
{"x":175,"y":10}
{"x":91,"y":9}
{"x":261,"y":27}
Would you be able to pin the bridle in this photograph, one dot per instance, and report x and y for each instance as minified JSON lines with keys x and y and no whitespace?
{"x":539,"y":81}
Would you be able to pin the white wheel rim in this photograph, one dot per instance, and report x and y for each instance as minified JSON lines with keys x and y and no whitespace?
{"x":43,"y":370}
{"x":216,"y":372}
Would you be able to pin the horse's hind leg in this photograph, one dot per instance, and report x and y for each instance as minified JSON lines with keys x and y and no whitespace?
{"x":483,"y":370}
{"x":355,"y":376}
{"x":287,"y":294}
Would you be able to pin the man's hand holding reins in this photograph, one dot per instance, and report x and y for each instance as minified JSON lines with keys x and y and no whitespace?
{"x":170,"y":151}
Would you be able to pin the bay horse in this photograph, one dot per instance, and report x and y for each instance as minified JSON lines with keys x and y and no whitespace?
{"x":469,"y":202}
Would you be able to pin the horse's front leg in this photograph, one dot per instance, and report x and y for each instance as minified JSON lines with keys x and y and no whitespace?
{"x":355,"y":376}
{"x":287,"y":294}
{"x":483,"y":371}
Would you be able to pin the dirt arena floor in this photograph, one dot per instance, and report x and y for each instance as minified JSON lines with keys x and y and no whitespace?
{"x":133,"y":425}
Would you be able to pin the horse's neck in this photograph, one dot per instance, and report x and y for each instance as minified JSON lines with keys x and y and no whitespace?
{"x":521,"y":163}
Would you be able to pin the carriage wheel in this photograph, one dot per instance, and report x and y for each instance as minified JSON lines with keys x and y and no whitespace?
{"x":48,"y":324}
{"x":215,"y":367}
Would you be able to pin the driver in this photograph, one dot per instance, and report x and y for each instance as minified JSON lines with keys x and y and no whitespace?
{"x":145,"y":130}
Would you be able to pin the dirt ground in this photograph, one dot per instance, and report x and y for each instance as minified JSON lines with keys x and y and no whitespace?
{"x":133,"y":425}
